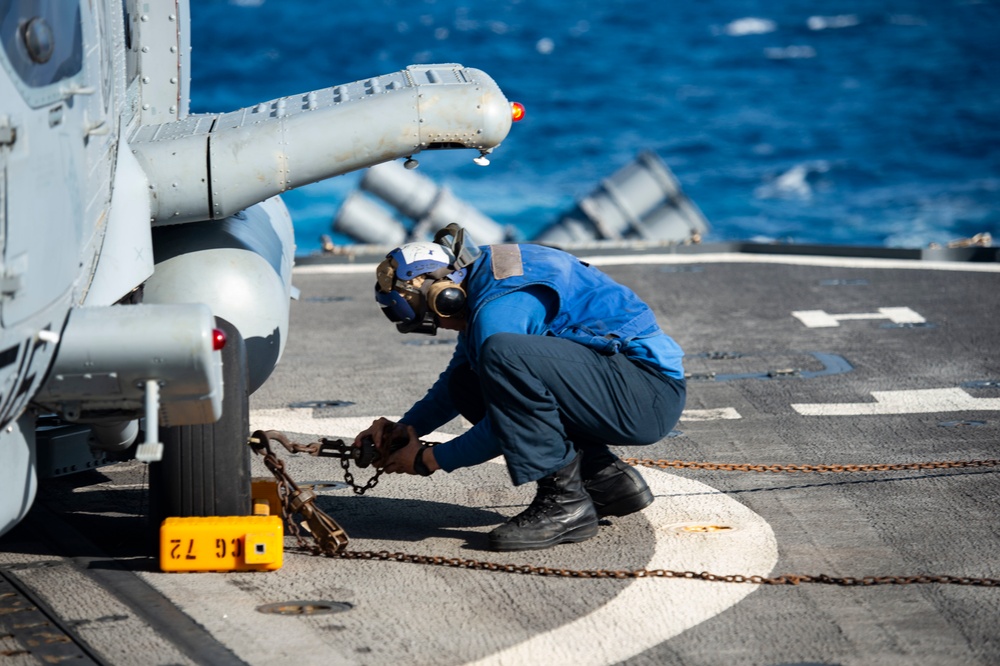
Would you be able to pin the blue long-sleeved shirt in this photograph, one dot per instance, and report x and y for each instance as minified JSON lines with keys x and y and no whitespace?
{"x":526,"y":311}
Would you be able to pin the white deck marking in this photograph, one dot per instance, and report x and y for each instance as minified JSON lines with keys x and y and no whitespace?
{"x":922,"y":401}
{"x":721,"y":414}
{"x":820,"y":319}
{"x":646,"y":612}
{"x":629,"y":259}
{"x":301,"y":419}
{"x":649,"y":612}
{"x":335,"y":269}
{"x":789,"y":260}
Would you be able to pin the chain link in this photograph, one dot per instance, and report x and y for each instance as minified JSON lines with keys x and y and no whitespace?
{"x":349,"y":478}
{"x":806,"y":469}
{"x":329,"y":536}
{"x":336,"y":448}
{"x":785,"y":579}
{"x":337,"y":549}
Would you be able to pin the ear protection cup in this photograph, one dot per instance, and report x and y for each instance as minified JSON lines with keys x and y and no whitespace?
{"x":445,"y":298}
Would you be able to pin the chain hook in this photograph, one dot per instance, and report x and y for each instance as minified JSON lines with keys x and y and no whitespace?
{"x":330,"y":536}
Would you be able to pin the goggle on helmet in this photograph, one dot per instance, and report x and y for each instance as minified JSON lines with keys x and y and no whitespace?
{"x":405,"y":281}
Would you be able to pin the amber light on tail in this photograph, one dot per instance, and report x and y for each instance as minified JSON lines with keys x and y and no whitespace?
{"x":516,"y":111}
{"x":218,"y":339}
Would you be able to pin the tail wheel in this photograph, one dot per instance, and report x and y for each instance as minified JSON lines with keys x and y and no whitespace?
{"x":205,"y":469}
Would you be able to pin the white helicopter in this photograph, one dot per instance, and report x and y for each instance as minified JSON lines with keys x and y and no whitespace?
{"x":145,"y":273}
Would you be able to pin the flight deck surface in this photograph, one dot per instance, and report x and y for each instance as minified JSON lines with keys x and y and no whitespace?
{"x":793,"y":360}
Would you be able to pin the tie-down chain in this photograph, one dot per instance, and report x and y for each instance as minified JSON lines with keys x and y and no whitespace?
{"x":331,"y":539}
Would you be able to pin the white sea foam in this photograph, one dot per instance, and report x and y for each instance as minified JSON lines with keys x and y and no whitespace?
{"x":750,"y":26}
{"x":828,"y":22}
{"x":792,"y":184}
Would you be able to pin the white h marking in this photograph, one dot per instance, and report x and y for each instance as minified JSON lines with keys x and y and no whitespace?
{"x":922,"y":401}
{"x":820,"y":319}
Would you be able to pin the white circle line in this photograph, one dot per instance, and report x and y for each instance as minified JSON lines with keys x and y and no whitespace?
{"x":646,"y":612}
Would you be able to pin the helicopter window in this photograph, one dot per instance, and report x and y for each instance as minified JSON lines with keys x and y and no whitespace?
{"x":43,"y":39}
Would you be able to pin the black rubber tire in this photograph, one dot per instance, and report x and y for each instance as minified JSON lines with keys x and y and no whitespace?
{"x":205,"y":469}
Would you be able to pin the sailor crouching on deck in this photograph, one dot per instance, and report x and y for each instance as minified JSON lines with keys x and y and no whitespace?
{"x":553,"y":361}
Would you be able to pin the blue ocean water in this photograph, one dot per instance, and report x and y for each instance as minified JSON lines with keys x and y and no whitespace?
{"x":856,"y":122}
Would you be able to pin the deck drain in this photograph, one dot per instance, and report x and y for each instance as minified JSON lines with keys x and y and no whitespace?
{"x":960,"y":424}
{"x":319,"y":404}
{"x":306,"y":607}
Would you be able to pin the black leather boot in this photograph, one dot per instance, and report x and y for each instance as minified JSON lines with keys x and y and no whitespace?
{"x":562,"y":512}
{"x":616,"y":487}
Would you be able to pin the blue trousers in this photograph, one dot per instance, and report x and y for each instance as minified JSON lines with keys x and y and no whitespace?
{"x":547,"y":398}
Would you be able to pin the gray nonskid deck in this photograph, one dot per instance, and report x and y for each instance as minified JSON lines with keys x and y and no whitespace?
{"x":763,"y":388}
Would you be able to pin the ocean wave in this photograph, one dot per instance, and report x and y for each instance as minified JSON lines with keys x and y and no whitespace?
{"x":795,"y":183}
{"x":794,"y":133}
{"x":790,"y":52}
{"x":830,"y":22}
{"x":750,"y":26}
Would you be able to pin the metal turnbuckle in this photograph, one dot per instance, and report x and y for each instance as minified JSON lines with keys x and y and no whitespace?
{"x":330,"y":537}
{"x":362,"y":456}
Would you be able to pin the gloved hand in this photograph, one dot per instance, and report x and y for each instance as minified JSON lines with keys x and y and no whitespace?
{"x":383,"y":433}
{"x":398,"y":447}
{"x":413,"y":458}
